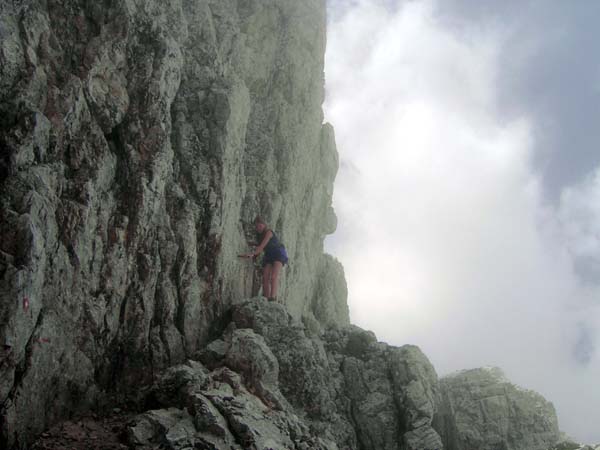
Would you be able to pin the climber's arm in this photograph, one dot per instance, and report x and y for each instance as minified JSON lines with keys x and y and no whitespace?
{"x":261,"y":247}
{"x":263,"y":244}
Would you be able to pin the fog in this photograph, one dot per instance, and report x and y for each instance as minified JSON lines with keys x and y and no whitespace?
{"x":456,"y":229}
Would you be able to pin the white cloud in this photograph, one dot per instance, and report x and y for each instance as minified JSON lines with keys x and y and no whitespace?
{"x":443,"y":234}
{"x":580,"y":215}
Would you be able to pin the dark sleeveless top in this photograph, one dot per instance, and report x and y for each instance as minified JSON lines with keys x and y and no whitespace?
{"x":273,"y":243}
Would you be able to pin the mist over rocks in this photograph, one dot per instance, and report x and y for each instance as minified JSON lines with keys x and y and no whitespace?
{"x":138,"y":141}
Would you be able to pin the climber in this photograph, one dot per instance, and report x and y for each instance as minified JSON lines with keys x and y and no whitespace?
{"x":274,"y":259}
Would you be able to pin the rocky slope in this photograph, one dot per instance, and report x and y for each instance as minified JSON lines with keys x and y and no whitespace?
{"x":482,"y":410}
{"x":268,"y":383}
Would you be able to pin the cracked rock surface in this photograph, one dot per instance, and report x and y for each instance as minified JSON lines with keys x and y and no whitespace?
{"x":138,"y":141}
{"x":267,"y":383}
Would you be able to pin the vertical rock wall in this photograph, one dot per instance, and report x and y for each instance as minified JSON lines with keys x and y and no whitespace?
{"x":138,"y":140}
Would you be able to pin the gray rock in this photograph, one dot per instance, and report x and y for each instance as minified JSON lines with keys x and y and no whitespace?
{"x":139,"y":140}
{"x":174,"y":385}
{"x":482,"y":410}
{"x":343,"y":389}
{"x":214,"y":353}
{"x":279,"y":388}
{"x":567,"y":443}
{"x":206,"y":417}
{"x":329,"y":305}
{"x":392,"y":391}
{"x":173,"y":429}
{"x":217,"y":410}
{"x":355,"y":391}
{"x":249,"y":355}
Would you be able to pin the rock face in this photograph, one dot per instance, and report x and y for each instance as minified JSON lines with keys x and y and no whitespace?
{"x":138,"y":141}
{"x":482,"y":410}
{"x":267,"y":383}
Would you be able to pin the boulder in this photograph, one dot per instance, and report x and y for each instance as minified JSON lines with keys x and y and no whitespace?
{"x":481,"y":409}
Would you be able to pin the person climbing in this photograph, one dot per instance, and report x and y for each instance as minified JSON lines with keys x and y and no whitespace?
{"x":274,"y":259}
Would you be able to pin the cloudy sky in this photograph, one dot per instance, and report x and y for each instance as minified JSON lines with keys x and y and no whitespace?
{"x":468,"y":195}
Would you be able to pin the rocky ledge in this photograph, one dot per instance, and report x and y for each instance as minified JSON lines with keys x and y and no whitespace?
{"x":270,"y":383}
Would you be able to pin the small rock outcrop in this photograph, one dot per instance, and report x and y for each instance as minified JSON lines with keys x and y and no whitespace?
{"x":482,"y":410}
{"x":267,"y":383}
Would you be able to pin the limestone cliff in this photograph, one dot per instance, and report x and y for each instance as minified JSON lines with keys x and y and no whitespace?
{"x":138,"y":141}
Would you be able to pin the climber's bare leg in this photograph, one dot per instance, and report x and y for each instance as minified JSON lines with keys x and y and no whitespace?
{"x":267,"y":280}
{"x":277,"y":265}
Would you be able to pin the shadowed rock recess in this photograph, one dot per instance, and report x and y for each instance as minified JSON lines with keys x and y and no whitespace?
{"x":138,"y":140}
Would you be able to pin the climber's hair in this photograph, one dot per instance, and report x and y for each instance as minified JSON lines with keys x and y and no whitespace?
{"x":259,"y":219}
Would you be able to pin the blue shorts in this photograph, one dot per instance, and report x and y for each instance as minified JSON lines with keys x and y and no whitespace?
{"x":277,"y":254}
